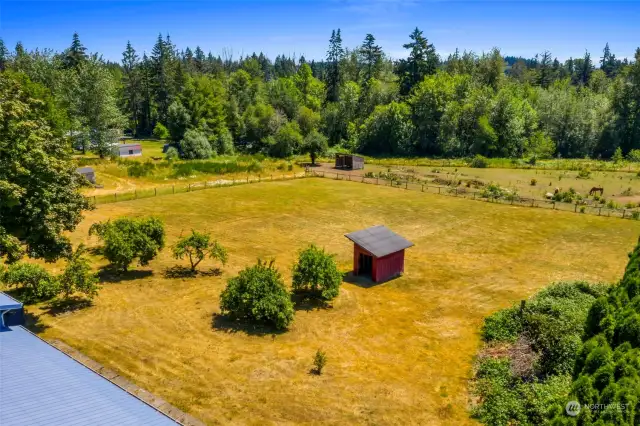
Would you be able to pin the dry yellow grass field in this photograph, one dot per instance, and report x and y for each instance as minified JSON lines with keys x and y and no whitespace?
{"x":398,"y":353}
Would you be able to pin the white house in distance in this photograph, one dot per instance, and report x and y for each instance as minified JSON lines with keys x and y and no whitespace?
{"x":129,"y":150}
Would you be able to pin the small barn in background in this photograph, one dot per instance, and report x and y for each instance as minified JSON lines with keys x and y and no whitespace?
{"x":349,"y":161}
{"x":88,"y":173}
{"x":129,"y":150}
{"x":378,"y":253}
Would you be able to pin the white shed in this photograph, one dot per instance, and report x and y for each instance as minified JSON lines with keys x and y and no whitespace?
{"x":129,"y":150}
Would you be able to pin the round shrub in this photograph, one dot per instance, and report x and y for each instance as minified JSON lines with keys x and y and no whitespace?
{"x":258,"y":294}
{"x":195,"y":146}
{"x":224,"y":143}
{"x":479,"y":162}
{"x":316,"y":274}
{"x":171,"y":154}
{"x":160,"y":132}
{"x":33,"y":281}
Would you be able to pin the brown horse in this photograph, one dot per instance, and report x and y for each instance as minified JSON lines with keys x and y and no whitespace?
{"x":597,"y":189}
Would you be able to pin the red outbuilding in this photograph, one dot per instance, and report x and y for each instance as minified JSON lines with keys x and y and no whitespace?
{"x":378,"y":253}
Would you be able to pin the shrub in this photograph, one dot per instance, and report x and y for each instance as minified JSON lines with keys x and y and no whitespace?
{"x":287,"y":141}
{"x":479,"y":162}
{"x":33,"y":281}
{"x":316,"y":273}
{"x":178,"y":120}
{"x":319,"y":361}
{"x":258,"y":294}
{"x":617,"y":155}
{"x":634,"y":155}
{"x":224,"y":143}
{"x":493,"y":190}
{"x":160,"y":132}
{"x":635,"y":215}
{"x":195,"y":146}
{"x":612,"y":204}
{"x":172,"y":154}
{"x":77,"y":276}
{"x":534,"y":182}
{"x":138,"y":169}
{"x":583,"y":209}
{"x":584,"y":174}
{"x":126,"y":239}
{"x":198,"y":246}
{"x":502,"y":326}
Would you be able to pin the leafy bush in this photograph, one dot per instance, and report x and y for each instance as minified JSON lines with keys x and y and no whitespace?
{"x":138,"y":169}
{"x":198,"y":246}
{"x":479,"y":162}
{"x":224,"y":143}
{"x":126,"y":239}
{"x":77,"y":276}
{"x":160,"y":132}
{"x":258,"y":294}
{"x":317,"y":274}
{"x":172,"y":154}
{"x":33,"y":281}
{"x":569,"y":196}
{"x":635,"y":215}
{"x":634,"y":155}
{"x":493,"y":190}
{"x":287,"y":141}
{"x":195,"y":146}
{"x":550,"y":326}
{"x":534,"y":182}
{"x":617,"y":155}
{"x":178,"y":120}
{"x":584,"y":173}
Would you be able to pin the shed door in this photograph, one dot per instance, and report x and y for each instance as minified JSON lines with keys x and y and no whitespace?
{"x":365,"y":263}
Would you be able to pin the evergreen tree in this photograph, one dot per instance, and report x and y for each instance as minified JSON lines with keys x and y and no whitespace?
{"x":544,"y":77}
{"x":334,"y":54}
{"x":75,"y":54}
{"x":371,"y":58}
{"x":131,"y":83}
{"x":422,"y":61}
{"x":161,"y":58}
{"x":4,"y":55}
{"x":585,"y":69}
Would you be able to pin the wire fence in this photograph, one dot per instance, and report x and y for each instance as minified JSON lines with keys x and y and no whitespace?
{"x":187,"y":187}
{"x":468,"y":193}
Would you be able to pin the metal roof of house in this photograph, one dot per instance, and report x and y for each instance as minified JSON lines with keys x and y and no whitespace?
{"x":128,"y":145}
{"x":84,"y":170}
{"x":8,"y":302}
{"x":379,"y":240}
{"x":40,"y":385}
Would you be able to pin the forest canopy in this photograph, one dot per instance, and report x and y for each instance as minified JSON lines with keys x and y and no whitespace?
{"x":358,"y":98}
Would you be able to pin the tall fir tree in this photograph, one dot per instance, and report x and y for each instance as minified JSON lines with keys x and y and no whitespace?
{"x":4,"y":55}
{"x":544,"y":76}
{"x":75,"y":54}
{"x":422,"y":61}
{"x":131,"y":85}
{"x":370,"y":57}
{"x":334,"y":75}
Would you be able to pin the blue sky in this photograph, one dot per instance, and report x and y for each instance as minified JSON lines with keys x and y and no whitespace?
{"x":304,"y":26}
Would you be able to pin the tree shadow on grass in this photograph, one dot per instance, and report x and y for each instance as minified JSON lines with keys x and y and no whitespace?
{"x":229,"y":325}
{"x":66,"y":306}
{"x":306,"y":302}
{"x":110,"y":275}
{"x":33,"y":323}
{"x":178,"y":271}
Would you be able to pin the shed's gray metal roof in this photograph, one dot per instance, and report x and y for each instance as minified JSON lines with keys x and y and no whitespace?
{"x":39,"y":385}
{"x":379,"y":240}
{"x":6,"y":303}
{"x":84,"y":170}
{"x":128,"y":145}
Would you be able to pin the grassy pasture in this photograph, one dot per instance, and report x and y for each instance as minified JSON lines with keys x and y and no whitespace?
{"x":621,"y":187}
{"x":399,"y":353}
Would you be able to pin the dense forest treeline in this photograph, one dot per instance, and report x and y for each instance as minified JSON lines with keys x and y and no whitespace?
{"x":354,"y":100}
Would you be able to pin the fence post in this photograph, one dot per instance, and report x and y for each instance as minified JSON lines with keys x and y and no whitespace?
{"x":575,"y":210}
{"x":421,"y":188}
{"x":406,"y":184}
{"x":624,"y":211}
{"x":377,"y":180}
{"x":94,"y":200}
{"x":271,"y":177}
{"x":173,"y":187}
{"x":599,"y":211}
{"x":362,"y":178}
{"x":115,"y":194}
{"x":259,"y":178}
{"x":248,"y":178}
{"x":554,"y":205}
{"x":438,"y":190}
{"x":349,"y":177}
{"x":189,"y":190}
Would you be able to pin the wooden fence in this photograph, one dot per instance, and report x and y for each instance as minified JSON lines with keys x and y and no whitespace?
{"x":187,"y":187}
{"x":464,"y":192}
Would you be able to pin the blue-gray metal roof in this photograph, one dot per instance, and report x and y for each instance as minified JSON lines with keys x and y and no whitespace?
{"x":379,"y":240}
{"x":39,"y":385}
{"x":7,"y":302}
{"x":84,"y":170}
